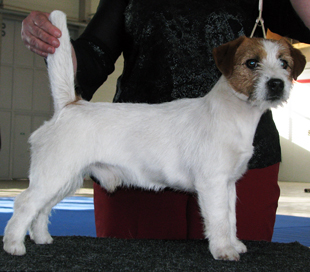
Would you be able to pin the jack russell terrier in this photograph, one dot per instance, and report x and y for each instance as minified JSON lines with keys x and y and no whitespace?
{"x":182,"y":144}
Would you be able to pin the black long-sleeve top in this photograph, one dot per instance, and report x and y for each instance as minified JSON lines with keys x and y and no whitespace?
{"x":167,"y":48}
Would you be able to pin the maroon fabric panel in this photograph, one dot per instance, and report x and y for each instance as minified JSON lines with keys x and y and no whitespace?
{"x":135,"y":213}
{"x":195,"y":228}
{"x":258,"y":193}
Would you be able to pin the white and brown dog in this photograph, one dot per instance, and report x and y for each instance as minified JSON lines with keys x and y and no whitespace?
{"x":182,"y":144}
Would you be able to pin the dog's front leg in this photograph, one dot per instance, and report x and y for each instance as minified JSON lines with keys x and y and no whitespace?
{"x":237,"y":244}
{"x":213,"y":196}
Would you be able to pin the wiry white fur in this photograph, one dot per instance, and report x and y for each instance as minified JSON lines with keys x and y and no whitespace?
{"x":199,"y":145}
{"x":61,"y":80}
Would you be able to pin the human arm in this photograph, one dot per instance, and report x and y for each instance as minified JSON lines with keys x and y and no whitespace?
{"x":302,"y":8}
{"x":98,"y":48}
{"x":281,"y":17}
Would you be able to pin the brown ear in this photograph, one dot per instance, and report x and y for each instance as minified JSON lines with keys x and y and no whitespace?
{"x":298,"y":58}
{"x":224,"y":56}
{"x":299,"y":62}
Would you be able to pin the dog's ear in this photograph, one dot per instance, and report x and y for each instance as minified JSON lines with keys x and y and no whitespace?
{"x":299,"y":62}
{"x":224,"y":55}
{"x":298,"y":58}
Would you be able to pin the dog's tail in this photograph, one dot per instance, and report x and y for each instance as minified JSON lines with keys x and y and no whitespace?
{"x":60,"y":66}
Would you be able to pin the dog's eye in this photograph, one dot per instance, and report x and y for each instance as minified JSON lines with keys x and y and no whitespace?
{"x":252,"y":63}
{"x":284,"y":64}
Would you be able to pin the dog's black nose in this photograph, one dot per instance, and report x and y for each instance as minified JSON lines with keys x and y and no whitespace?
{"x":275,"y":89}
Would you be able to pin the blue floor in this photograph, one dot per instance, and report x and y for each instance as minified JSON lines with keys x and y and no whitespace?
{"x":72,"y":216}
{"x":75,"y":216}
{"x":292,"y":228}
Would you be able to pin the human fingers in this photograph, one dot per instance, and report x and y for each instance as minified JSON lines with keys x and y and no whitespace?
{"x":39,"y":35}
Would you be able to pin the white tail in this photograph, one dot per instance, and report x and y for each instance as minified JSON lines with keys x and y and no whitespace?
{"x":60,"y":66}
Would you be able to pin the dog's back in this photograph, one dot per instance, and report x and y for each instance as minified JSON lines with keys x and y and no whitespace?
{"x":60,"y":66}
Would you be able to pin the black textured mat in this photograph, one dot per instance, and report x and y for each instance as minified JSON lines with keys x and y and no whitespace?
{"x":75,"y":253}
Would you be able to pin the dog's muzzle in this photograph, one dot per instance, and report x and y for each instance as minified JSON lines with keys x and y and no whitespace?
{"x":275,"y":89}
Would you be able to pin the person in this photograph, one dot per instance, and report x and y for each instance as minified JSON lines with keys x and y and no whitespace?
{"x":167,"y":48}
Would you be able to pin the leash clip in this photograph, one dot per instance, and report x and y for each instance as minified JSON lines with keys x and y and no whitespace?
{"x":259,"y":20}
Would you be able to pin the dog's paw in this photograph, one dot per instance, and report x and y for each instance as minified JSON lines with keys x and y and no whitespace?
{"x":228,"y":253}
{"x":14,"y":248}
{"x":239,"y":246}
{"x":40,"y":236}
{"x":43,"y":240}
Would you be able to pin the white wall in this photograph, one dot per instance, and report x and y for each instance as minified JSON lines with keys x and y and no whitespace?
{"x":25,"y":100}
{"x":293,"y":123}
{"x":94,"y":5}
{"x":70,"y":7}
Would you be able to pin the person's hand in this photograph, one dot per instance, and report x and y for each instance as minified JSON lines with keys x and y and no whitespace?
{"x":39,"y":35}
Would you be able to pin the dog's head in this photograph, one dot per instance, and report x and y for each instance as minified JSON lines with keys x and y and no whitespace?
{"x":260,"y":70}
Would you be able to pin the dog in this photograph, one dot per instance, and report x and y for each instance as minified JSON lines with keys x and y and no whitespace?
{"x":181,"y":144}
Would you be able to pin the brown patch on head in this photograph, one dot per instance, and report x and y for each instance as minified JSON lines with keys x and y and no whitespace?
{"x":230,"y":58}
{"x":243,"y":79}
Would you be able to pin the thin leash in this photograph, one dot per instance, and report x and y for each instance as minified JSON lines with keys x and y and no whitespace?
{"x":259,"y":20}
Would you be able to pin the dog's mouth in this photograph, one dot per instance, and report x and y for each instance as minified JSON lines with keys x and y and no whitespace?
{"x":274,"y":98}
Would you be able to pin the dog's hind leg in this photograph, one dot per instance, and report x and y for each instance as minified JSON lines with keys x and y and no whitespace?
{"x":26,"y":209}
{"x":39,"y":228}
{"x":31,"y":210}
